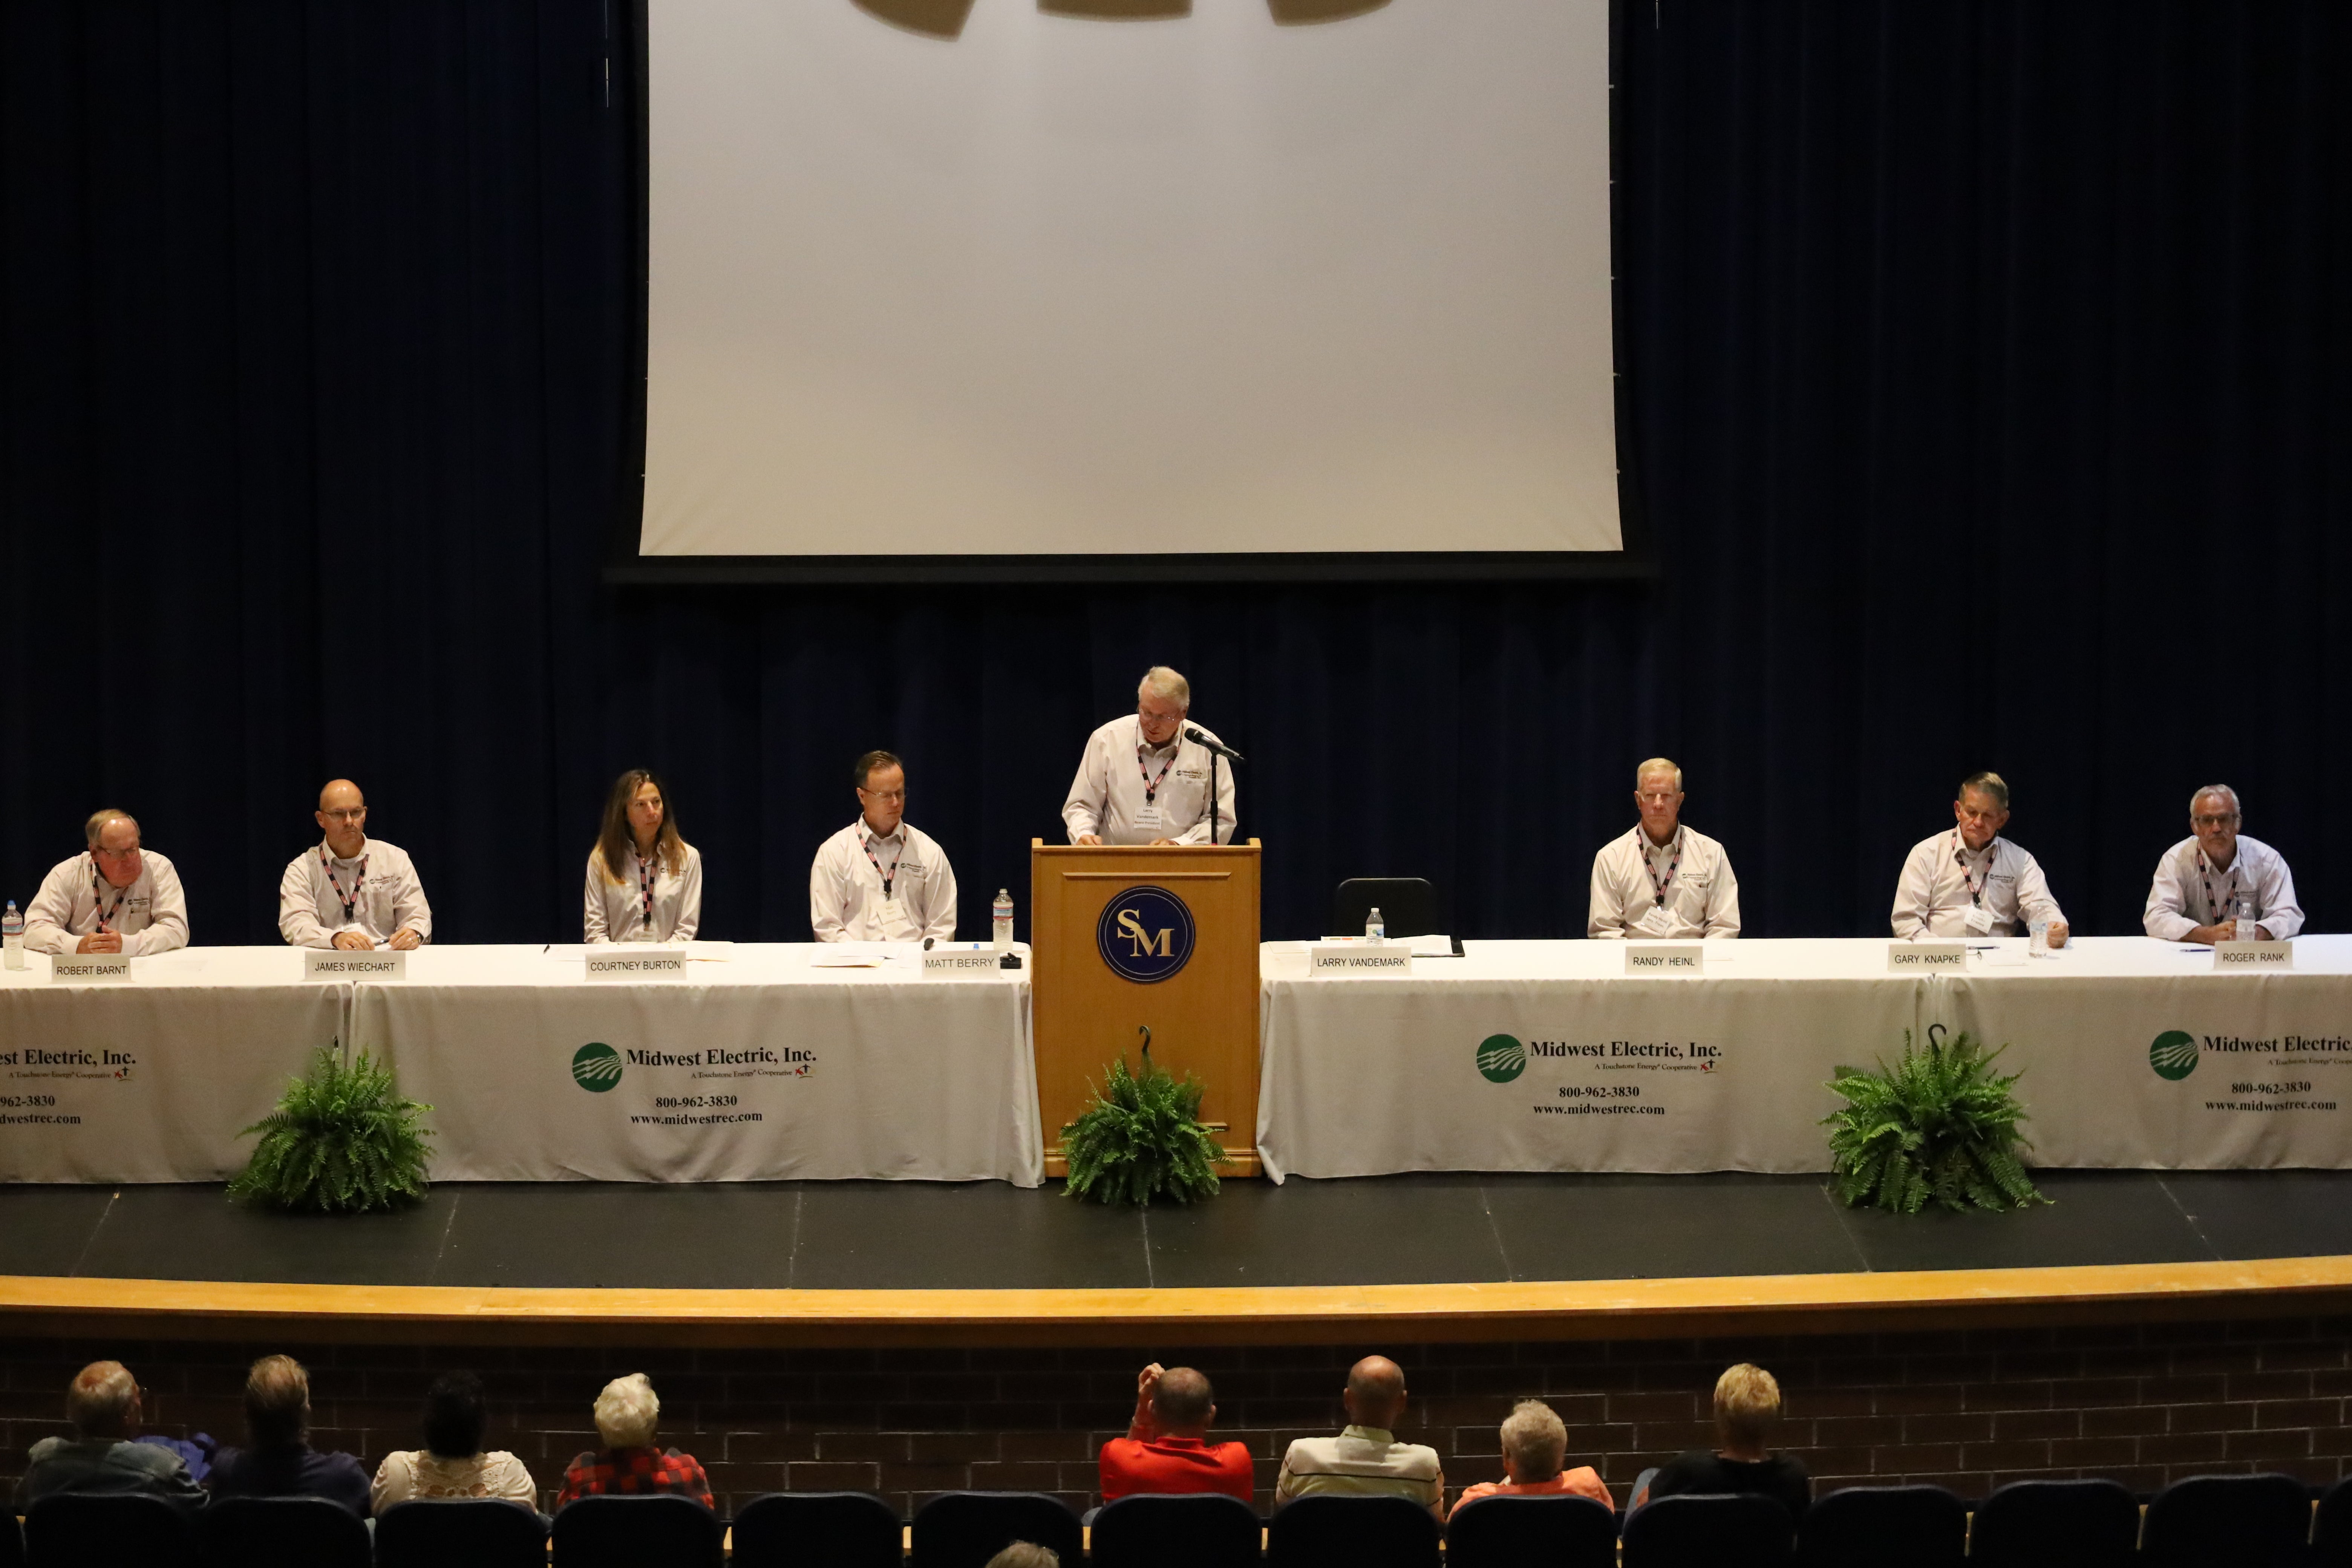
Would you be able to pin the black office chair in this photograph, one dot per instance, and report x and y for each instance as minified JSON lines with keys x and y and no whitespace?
{"x":1563,"y":1532}
{"x":1408,"y":905}
{"x":2331,"y":1528}
{"x":652,"y":1532}
{"x":2228,"y":1521}
{"x":250,"y":1531}
{"x":2056,"y":1524}
{"x":964,"y":1530}
{"x":1884,"y":1527}
{"x":1204,"y":1530}
{"x":460,"y":1532}
{"x":77,"y":1531}
{"x":821,"y":1530}
{"x":1709,"y":1531}
{"x":1360,"y":1531}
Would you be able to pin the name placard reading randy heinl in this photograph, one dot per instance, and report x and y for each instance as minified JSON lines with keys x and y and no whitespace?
{"x":1927,"y":957}
{"x":1363,"y":960}
{"x":2244,"y":955}
{"x":334,"y":963}
{"x":634,"y":963}
{"x":1666,"y":958}
{"x":90,"y":968}
{"x":967,"y":962}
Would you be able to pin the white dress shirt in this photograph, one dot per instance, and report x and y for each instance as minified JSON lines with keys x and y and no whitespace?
{"x":1702,"y":895}
{"x":1115,"y":774}
{"x":615,"y":912}
{"x":2188,"y":892}
{"x":1944,"y":879}
{"x":379,"y":881}
{"x":847,"y":901}
{"x":151,"y":915}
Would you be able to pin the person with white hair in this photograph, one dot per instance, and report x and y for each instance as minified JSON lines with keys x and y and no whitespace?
{"x":103,"y":1456}
{"x":2217,"y":884}
{"x":1535,"y":1461}
{"x":114,"y":897}
{"x":1142,"y":780}
{"x":1663,"y":880}
{"x":629,"y":1462}
{"x":1968,"y":880}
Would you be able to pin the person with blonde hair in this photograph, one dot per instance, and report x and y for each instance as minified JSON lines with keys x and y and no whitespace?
{"x":630,"y":1463}
{"x":103,"y":1457}
{"x":277,"y":1459}
{"x":1664,"y":880}
{"x":1027,"y":1555}
{"x":644,"y":882}
{"x":1535,"y":1461}
{"x":1746,"y":1409}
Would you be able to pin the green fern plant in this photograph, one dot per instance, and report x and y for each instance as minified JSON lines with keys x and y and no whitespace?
{"x":1938,"y":1125}
{"x":1142,"y":1139}
{"x":340,"y":1141}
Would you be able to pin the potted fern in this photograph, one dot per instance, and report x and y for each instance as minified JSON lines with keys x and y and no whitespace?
{"x":1938,"y":1125}
{"x":1142,"y":1139}
{"x":341,"y":1141}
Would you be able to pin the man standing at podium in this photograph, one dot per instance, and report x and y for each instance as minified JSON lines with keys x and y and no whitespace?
{"x":1141,"y":781}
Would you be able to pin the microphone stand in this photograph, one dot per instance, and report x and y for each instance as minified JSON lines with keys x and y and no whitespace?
{"x":1212,"y":800}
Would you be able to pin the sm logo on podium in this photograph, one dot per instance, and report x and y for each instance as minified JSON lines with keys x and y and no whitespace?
{"x":1145,"y":935}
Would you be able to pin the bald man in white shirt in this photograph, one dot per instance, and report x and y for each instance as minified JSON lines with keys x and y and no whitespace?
{"x":1970,"y":882}
{"x":2217,"y":884}
{"x":1140,"y":781}
{"x":349,"y":891}
{"x":114,"y":897}
{"x":1663,"y":880}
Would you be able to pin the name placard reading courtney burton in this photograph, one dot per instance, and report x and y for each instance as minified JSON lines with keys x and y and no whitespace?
{"x":1683,"y":958}
{"x":632,"y":961}
{"x":90,"y":968}
{"x":1927,"y":957}
{"x":1368,"y":959}
{"x":334,"y":963}
{"x":2243,"y":955}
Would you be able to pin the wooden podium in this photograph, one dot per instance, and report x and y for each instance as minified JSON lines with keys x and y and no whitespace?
{"x":1096,"y":910}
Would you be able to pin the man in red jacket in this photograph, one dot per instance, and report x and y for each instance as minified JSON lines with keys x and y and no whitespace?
{"x":1166,"y":1448}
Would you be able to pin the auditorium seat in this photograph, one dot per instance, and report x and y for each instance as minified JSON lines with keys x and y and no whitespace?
{"x":1408,"y":905}
{"x":2228,"y":1521}
{"x":460,"y":1532}
{"x":75,"y":1531}
{"x":12,"y":1540}
{"x":964,"y":1530}
{"x":1561,"y":1532}
{"x":1359,"y":1531}
{"x":2056,"y":1524}
{"x":1205,"y":1530}
{"x":262,"y":1531}
{"x":818,"y":1530}
{"x":1709,"y":1531}
{"x":2331,"y":1528}
{"x":658,"y":1532}
{"x":1884,"y":1527}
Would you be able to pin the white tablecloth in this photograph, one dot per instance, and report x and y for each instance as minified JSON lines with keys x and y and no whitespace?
{"x":1546,"y":1057}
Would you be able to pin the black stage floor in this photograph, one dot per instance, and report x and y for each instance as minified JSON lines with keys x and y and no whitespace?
{"x":1417,"y":1230}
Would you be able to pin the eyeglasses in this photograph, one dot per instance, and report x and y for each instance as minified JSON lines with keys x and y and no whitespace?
{"x":2214,"y":821}
{"x":355,"y":813}
{"x":1656,"y":797}
{"x":884,"y":796}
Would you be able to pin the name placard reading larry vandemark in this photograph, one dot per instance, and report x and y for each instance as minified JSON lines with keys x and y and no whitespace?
{"x":1927,"y":957}
{"x":1360,"y":960}
{"x":90,"y":968}
{"x":634,"y":963}
{"x":1681,"y":958}
{"x":2249,"y":955}
{"x":334,"y":963}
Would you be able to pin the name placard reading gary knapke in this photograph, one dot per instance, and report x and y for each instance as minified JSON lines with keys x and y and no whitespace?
{"x":334,"y":963}
{"x":90,"y":968}
{"x":2243,"y":955}
{"x":1363,"y":960}
{"x":1927,"y":957}
{"x":1685,"y":958}
{"x":634,"y":963}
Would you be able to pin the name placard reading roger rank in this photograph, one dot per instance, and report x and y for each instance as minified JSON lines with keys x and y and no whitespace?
{"x":1145,"y":935}
{"x":334,"y":963}
{"x":2253,"y":955}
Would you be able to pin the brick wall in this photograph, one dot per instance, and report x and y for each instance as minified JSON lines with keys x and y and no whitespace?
{"x":2145,"y":1404}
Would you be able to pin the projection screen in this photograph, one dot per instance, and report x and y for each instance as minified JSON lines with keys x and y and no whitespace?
{"x":1110,"y":280}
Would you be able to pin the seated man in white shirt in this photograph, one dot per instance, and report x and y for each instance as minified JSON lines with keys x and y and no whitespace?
{"x":113,"y":898}
{"x":1365,"y":1459}
{"x":349,"y":891}
{"x":1142,"y":780}
{"x":1970,"y":881}
{"x":1663,"y":880}
{"x":2218,"y":885}
{"x":880,"y":878}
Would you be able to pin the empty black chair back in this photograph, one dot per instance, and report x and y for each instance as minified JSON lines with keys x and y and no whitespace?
{"x":1884,"y":1527}
{"x":1408,"y":905}
{"x":2227,"y":1522}
{"x":12,"y":1540}
{"x":1204,"y":1530}
{"x":249,"y":1531}
{"x":964,"y":1530}
{"x":2331,"y":1528}
{"x":651,"y":1532}
{"x":88,"y":1532}
{"x":822,"y":1530}
{"x":1561,"y":1532}
{"x":460,"y":1532}
{"x":1709,"y":1531}
{"x":1357,"y":1531}
{"x":2056,"y":1524}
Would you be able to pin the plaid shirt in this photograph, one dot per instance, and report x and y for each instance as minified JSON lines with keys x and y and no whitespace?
{"x":635,"y":1470}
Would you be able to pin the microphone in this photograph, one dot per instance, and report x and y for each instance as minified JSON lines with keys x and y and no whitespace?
{"x":1219,"y":747}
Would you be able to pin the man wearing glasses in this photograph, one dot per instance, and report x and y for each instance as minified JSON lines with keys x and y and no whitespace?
{"x":1140,"y":781}
{"x":2216,"y":885}
{"x":349,"y":891}
{"x":1663,"y":880}
{"x":1968,"y":880}
{"x":113,"y":898}
{"x":880,"y":879}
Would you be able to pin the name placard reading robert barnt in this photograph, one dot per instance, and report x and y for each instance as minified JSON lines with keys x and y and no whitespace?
{"x":1363,"y":960}
{"x":1666,"y":958}
{"x":2244,"y":955}
{"x":1927,"y":957}
{"x":334,"y":963}
{"x":633,"y":963}
{"x":90,"y":968}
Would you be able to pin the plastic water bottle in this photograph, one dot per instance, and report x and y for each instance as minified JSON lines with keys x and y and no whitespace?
{"x":1375,"y":928}
{"x":1003,"y":937}
{"x":12,"y":936}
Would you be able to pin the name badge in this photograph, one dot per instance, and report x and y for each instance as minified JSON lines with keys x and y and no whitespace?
{"x":1656,"y":921}
{"x":1152,"y":819}
{"x":334,"y":963}
{"x":628,"y":965}
{"x":2253,"y":955}
{"x":90,"y":968}
{"x":1979,"y":919}
{"x":966,"y":962}
{"x":1361,"y":959}
{"x":1918,"y":957}
{"x":1664,"y":958}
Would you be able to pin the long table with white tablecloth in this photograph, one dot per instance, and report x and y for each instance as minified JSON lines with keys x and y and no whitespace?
{"x":1546,"y":1055}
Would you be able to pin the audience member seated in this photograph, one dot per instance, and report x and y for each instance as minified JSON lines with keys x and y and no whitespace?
{"x":277,"y":1460}
{"x":1027,"y":1555}
{"x":102,"y":1406}
{"x":1747,"y":1407}
{"x":452,"y":1463}
{"x":1166,"y":1448}
{"x":625,"y":1414}
{"x":1366,"y":1459}
{"x":1535,"y":1460}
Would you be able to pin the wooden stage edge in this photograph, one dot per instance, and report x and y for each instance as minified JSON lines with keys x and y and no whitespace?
{"x":75,"y":1307}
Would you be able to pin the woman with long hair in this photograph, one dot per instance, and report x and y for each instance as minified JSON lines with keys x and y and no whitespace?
{"x":644,"y":882}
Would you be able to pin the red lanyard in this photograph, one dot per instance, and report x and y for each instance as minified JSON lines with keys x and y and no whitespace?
{"x":358,"y":881}
{"x":1961,"y":855}
{"x":1641,"y":842}
{"x":866,"y":842}
{"x":2205,"y":875}
{"x":648,"y":872}
{"x":105,"y":916}
{"x":1151,"y":784}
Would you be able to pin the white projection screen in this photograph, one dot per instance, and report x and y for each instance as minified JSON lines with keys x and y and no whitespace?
{"x":1106,"y":280}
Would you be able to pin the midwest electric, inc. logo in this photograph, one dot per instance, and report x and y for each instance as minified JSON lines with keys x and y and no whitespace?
{"x":596,"y":1066}
{"x":1501,"y":1057}
{"x":2173,"y":1055}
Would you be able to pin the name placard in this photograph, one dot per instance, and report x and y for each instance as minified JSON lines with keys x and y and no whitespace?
{"x":1364,"y":960}
{"x":1664,"y":958}
{"x":1927,"y":957}
{"x":634,"y":963}
{"x":968,"y":961}
{"x":334,"y":963}
{"x":90,"y":968}
{"x":2253,"y":955}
